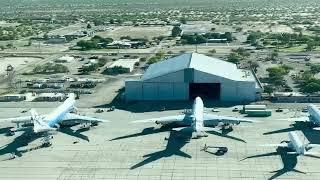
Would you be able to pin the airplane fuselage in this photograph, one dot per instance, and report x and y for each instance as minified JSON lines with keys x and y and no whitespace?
{"x":197,"y":114}
{"x":314,"y":114}
{"x":295,"y":143}
{"x":57,"y":116}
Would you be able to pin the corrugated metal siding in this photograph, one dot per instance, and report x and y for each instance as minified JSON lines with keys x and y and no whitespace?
{"x":136,"y":90}
{"x":181,"y":91}
{"x":171,"y":77}
{"x":133,"y":90}
{"x":165,"y":91}
{"x":150,"y":91}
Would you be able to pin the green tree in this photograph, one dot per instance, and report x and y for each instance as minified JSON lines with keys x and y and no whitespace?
{"x":89,"y":26}
{"x":311,"y":88}
{"x":315,"y":68}
{"x":310,"y":46}
{"x":46,"y":36}
{"x":234,"y":58}
{"x":268,"y":89}
{"x":176,"y":31}
{"x":212,"y":51}
{"x":98,"y":22}
{"x":183,"y":20}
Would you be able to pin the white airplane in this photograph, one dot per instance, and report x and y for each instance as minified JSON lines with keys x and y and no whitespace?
{"x":296,"y":145}
{"x":197,"y":120}
{"x":313,"y":118}
{"x":51,"y":122}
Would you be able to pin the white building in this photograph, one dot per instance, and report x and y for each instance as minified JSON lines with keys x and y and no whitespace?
{"x":190,"y":75}
{"x":127,"y":64}
{"x":65,"y":59}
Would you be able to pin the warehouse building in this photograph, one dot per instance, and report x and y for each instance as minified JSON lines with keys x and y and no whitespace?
{"x":190,"y":75}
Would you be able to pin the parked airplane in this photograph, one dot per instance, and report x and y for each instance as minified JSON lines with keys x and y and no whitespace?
{"x":52,"y":121}
{"x":313,"y":118}
{"x":297,"y":146}
{"x":197,"y":120}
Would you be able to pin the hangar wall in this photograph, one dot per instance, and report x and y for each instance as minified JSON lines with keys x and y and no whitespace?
{"x":139,"y":90}
{"x":175,"y":86}
{"x":230,"y":90}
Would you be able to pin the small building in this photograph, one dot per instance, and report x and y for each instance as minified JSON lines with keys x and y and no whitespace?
{"x":223,"y":40}
{"x":12,"y":98}
{"x":64,"y":59}
{"x":190,"y":75}
{"x":295,"y":97}
{"x":50,"y":97}
{"x":126,"y":64}
{"x":56,"y":40}
{"x":38,"y":86}
{"x":119,"y":45}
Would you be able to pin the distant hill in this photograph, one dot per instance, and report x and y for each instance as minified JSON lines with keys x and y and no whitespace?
{"x":21,"y":4}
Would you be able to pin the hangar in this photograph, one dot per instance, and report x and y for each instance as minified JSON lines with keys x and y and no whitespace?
{"x":190,"y":75}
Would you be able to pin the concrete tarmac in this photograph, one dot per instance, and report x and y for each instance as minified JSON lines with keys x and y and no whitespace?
{"x":125,"y":150}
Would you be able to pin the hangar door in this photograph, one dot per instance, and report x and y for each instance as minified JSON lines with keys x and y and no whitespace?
{"x":204,"y":90}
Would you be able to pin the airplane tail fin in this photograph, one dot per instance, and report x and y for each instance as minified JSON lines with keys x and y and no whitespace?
{"x":38,"y":124}
{"x":34,"y":114}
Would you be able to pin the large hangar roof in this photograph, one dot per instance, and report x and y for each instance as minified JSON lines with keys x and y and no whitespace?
{"x":198,"y":62}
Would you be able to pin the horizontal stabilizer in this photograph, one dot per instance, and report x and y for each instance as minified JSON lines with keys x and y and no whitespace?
{"x":313,"y":145}
{"x":293,"y":152}
{"x":181,"y":128}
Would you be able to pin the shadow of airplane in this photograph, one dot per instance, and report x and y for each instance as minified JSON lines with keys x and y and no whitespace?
{"x":28,"y":136}
{"x":225,"y":135}
{"x":312,"y":135}
{"x":77,"y":133}
{"x":175,"y":142}
{"x":144,"y":132}
{"x":289,"y":161}
{"x":20,"y":141}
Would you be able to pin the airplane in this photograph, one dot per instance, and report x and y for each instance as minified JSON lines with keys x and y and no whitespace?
{"x":313,"y":118}
{"x":197,"y":120}
{"x":296,"y":146}
{"x":51,"y":122}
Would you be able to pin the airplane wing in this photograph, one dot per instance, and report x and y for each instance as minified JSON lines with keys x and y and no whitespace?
{"x":227,"y":119}
{"x":275,"y":145}
{"x":297,"y":119}
{"x":21,"y":119}
{"x":166,"y":119}
{"x":72,"y":116}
